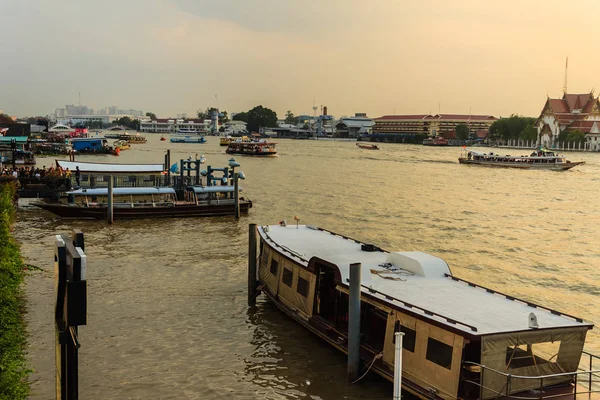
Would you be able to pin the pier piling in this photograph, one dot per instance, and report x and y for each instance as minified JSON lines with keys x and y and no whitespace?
{"x":399,"y":336}
{"x":252,"y":292}
{"x":109,"y":208}
{"x":236,"y":195}
{"x":354,"y":322}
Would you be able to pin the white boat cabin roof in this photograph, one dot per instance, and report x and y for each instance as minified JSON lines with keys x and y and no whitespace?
{"x":417,"y":282}
{"x":123,"y":191}
{"x":86,"y":167}
{"x":213,"y":189}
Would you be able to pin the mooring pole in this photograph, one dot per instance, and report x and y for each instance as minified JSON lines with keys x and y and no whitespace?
{"x":109,"y":208}
{"x":252,"y":265}
{"x":168,"y":168}
{"x":236,"y":195}
{"x":399,"y":336}
{"x":354,"y":322}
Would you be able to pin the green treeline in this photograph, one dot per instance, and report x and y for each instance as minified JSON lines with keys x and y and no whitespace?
{"x":13,"y":368}
{"x":514,"y":127}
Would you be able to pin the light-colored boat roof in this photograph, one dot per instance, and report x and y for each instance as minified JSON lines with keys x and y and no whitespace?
{"x":213,"y":189}
{"x":86,"y":167}
{"x":422,"y":281}
{"x":123,"y":191}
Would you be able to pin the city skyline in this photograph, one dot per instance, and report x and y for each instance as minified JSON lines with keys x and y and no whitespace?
{"x":178,"y":56}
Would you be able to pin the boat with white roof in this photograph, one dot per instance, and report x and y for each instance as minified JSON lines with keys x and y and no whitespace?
{"x":461,"y":340}
{"x":538,"y":159}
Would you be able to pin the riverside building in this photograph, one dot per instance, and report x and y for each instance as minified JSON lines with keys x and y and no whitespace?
{"x":431,"y":125}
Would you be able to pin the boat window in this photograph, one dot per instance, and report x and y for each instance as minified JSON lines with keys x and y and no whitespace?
{"x":287,"y":278}
{"x":439,"y":353}
{"x":373,"y":325}
{"x":302,"y":287}
{"x":274,"y":265}
{"x":526,"y":355}
{"x":409,"y":339}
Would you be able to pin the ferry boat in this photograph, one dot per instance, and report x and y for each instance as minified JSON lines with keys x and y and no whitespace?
{"x":224,"y":141}
{"x":262,"y":148}
{"x":436,"y":141}
{"x":188,"y":131}
{"x":461,"y":340}
{"x":367,"y":146}
{"x":539,"y":159}
{"x":148,"y":202}
{"x":121,"y":145}
{"x":187,"y":139}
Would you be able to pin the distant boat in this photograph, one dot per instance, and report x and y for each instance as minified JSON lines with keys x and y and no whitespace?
{"x":188,"y":130}
{"x":368,"y":146}
{"x":539,"y":159}
{"x":162,"y":138}
{"x":252,"y":148}
{"x":437,"y":141}
{"x":188,"y":139}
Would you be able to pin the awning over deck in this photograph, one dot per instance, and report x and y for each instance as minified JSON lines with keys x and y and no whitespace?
{"x":123,"y":191}
{"x":98,"y":168}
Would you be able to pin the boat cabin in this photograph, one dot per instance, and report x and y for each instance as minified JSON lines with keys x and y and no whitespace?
{"x":89,"y":145}
{"x":461,"y":340}
{"x":124,"y":197}
{"x":262,"y":148}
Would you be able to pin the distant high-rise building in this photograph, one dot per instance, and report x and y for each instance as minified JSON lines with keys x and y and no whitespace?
{"x":113,"y":110}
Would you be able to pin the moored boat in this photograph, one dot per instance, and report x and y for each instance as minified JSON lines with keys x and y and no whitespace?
{"x":461,"y":340}
{"x":262,"y":148}
{"x":539,"y":159}
{"x":149,"y":202}
{"x":436,"y":141}
{"x":188,"y":139}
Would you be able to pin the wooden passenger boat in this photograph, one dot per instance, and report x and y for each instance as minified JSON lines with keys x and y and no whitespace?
{"x":539,"y":159}
{"x":368,"y":146}
{"x":148,"y":202}
{"x":461,"y":340}
{"x":262,"y":148}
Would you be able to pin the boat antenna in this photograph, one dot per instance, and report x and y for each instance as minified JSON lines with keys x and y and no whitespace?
{"x":566,"y":70}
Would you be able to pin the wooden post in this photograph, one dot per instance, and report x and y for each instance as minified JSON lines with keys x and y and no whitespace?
{"x":109,"y":208}
{"x":168,"y":168}
{"x":252,"y":293}
{"x":236,"y":195}
{"x":354,"y":322}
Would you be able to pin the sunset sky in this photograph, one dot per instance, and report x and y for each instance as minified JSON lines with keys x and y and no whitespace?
{"x":174,"y":56}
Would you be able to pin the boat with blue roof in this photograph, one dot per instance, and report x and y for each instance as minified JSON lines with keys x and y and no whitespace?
{"x":188,"y":139}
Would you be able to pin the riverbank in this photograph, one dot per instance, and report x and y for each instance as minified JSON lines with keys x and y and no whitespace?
{"x":13,"y":368}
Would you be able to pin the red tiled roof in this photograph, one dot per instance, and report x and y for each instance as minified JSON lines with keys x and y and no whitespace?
{"x":415,"y":116}
{"x":464,"y":117}
{"x":577,"y":101}
{"x":559,"y":106}
{"x":165,"y":120}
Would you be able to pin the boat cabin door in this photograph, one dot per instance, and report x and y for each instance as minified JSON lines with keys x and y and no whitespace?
{"x":325,"y":293}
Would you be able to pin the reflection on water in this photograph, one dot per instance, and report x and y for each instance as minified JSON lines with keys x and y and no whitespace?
{"x":167,"y":313}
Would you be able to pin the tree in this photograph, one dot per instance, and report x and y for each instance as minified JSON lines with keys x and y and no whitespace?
{"x":528,"y":133}
{"x":462,"y":131}
{"x":223,"y":117}
{"x":128,"y":122}
{"x":151,"y":115}
{"x":5,"y":119}
{"x":241,"y":116}
{"x":510,"y":128}
{"x":259,"y":117}
{"x":576,"y":136}
{"x":290,"y":118}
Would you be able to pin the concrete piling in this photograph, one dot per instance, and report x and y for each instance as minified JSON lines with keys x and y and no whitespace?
{"x":252,"y":292}
{"x":354,"y":322}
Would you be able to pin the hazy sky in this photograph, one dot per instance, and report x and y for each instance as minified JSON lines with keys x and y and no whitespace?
{"x":377,"y":56}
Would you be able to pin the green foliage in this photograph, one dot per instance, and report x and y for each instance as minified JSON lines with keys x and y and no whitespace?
{"x":562,"y":136}
{"x":259,"y":117}
{"x":128,"y":122}
{"x":242,"y":116}
{"x":575,"y":136}
{"x":207,"y":114}
{"x":510,"y":128}
{"x":151,"y":115}
{"x":290,"y":118}
{"x":462,"y":131}
{"x":13,"y":369}
{"x":5,"y":119}
{"x":528,"y":133}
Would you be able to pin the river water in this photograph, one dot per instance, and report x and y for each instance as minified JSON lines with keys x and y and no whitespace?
{"x":167,"y":313}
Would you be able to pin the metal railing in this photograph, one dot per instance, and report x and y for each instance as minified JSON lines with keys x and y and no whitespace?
{"x":583,"y":382}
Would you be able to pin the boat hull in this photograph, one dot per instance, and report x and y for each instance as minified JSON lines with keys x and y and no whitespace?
{"x":523,"y":165}
{"x":176,"y":211}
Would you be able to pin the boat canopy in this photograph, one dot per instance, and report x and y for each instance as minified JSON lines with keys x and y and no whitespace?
{"x":123,"y":191}
{"x":85,"y":167}
{"x":213,"y":189}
